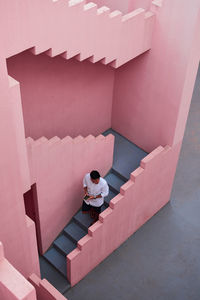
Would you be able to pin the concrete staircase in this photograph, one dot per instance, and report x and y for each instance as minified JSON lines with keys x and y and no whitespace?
{"x":127,"y":157}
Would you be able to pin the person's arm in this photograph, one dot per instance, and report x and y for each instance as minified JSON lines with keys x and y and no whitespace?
{"x":104,"y":193}
{"x":92,"y":197}
{"x":85,"y":187}
{"x":105,"y":190}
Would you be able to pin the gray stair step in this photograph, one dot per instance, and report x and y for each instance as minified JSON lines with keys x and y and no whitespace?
{"x":103,"y":207}
{"x":83,"y":220}
{"x":74,"y":232}
{"x":53,"y":276}
{"x":109,"y":197}
{"x":57,"y":260}
{"x":113,"y":170}
{"x":127,"y":156}
{"x":114,"y":182}
{"x":64,"y":244}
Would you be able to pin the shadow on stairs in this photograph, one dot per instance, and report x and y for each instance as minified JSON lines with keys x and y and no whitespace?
{"x":127,"y":157}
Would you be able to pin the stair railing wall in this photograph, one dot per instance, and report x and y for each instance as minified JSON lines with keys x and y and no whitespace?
{"x":146,"y":192}
{"x":44,"y":290}
{"x":13,"y":286}
{"x":86,"y":30}
{"x":58,"y":166}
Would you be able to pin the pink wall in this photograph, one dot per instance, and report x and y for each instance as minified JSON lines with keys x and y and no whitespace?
{"x":147,"y":191}
{"x":13,"y":179}
{"x":39,"y":24}
{"x":134,"y":4}
{"x":18,"y":123}
{"x":58,"y":167}
{"x":124,"y":6}
{"x":13,"y":286}
{"x":99,"y":30}
{"x":149,"y":90}
{"x":114,"y":4}
{"x":63,"y":97}
{"x":44,"y":290}
{"x":53,"y":25}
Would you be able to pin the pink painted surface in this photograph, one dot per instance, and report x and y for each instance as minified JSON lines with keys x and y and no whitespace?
{"x":76,"y":18}
{"x":147,"y":191}
{"x":114,"y":4}
{"x":13,"y":286}
{"x":44,"y":290}
{"x":18,"y":123}
{"x":58,"y":167}
{"x":1,"y":251}
{"x":152,"y":93}
{"x":151,"y":98}
{"x":63,"y":97}
{"x":33,"y":252}
{"x":13,"y":179}
{"x":136,"y":22}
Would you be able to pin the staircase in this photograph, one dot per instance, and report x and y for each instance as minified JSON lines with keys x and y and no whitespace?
{"x":96,"y":34}
{"x":127,"y":157}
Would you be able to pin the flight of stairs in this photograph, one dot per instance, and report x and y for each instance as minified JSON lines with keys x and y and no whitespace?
{"x":127,"y":157}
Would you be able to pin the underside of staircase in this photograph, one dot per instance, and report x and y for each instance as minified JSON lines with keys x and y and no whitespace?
{"x":104,"y":36}
{"x":127,"y":157}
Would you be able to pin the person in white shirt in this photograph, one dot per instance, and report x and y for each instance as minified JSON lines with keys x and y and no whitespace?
{"x":95,"y":189}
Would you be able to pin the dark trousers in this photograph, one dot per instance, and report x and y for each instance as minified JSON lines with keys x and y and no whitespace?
{"x":93,"y":210}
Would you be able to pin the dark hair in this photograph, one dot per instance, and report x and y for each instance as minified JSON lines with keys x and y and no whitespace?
{"x":94,"y":174}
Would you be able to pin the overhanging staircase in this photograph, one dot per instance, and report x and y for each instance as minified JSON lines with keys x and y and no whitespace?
{"x":127,"y":157}
{"x":82,"y":30}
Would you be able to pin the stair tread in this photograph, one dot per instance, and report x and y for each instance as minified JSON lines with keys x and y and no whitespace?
{"x":58,"y":260}
{"x":75,"y":231}
{"x":64,"y":244}
{"x":110,"y":196}
{"x":53,"y":276}
{"x":114,"y":181}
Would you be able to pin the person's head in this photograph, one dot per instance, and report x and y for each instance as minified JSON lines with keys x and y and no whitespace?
{"x":95,"y":176}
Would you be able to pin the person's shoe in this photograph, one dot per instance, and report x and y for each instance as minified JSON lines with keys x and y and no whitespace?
{"x":92,"y":214}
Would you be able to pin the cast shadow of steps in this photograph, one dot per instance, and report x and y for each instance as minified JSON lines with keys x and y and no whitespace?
{"x":75,"y":230}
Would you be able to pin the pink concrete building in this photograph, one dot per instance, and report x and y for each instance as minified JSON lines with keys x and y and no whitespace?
{"x":70,"y":70}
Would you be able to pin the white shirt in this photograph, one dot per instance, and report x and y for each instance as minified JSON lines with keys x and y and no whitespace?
{"x":94,"y":189}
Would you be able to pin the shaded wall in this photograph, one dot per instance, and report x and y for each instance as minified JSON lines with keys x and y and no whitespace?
{"x":124,"y":6}
{"x":62,"y":97}
{"x":149,"y":90}
{"x":13,"y":286}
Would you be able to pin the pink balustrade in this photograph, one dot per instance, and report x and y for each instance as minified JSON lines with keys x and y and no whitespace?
{"x":13,"y":286}
{"x":146,"y":192}
{"x":44,"y":290}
